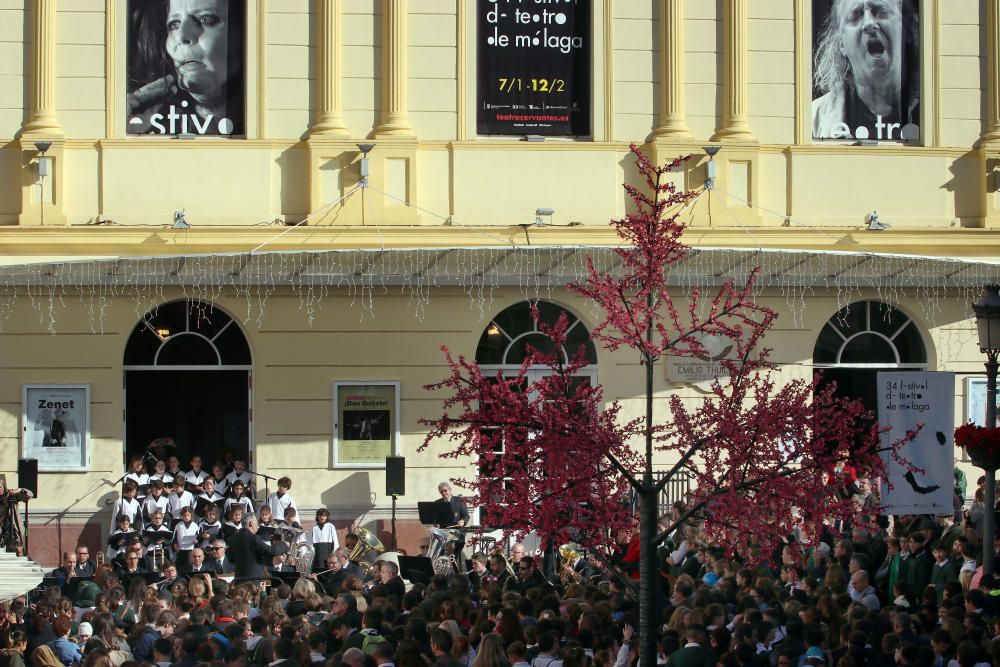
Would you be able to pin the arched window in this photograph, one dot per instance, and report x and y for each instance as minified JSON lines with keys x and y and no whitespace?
{"x":187,"y":333}
{"x":870,"y":333}
{"x":505,"y":341}
{"x":862,"y":339}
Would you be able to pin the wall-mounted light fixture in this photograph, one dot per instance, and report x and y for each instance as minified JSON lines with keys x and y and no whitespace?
{"x":365,"y":167}
{"x":180,"y":220}
{"x":543,"y":213}
{"x":710,"y":151}
{"x":43,"y":171}
{"x":874,"y":224}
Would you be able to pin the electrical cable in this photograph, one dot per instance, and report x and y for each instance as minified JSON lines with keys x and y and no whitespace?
{"x":308,"y":217}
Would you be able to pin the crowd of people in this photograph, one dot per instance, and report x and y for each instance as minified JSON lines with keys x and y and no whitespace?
{"x":193,"y":578}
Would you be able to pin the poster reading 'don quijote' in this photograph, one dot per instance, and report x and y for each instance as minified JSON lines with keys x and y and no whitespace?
{"x":534,"y":67}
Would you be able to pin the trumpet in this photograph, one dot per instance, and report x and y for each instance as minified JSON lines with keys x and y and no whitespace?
{"x":157,"y":557}
{"x":498,"y":553}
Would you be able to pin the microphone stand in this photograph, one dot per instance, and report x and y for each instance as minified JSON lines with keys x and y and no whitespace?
{"x":26,"y":525}
{"x":266,"y":478}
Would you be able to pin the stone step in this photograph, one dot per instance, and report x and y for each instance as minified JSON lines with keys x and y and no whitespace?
{"x":18,"y":575}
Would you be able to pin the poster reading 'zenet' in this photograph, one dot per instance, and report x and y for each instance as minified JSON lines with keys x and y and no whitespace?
{"x":534,"y":67}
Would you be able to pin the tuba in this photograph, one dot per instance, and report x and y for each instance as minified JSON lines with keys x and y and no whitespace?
{"x":303,"y":555}
{"x":568,"y":556}
{"x":367,"y":544}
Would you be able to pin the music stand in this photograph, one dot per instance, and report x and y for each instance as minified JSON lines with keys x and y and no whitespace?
{"x":420,"y":566}
{"x":434,"y":513}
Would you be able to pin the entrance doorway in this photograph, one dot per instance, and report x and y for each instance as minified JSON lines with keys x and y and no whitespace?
{"x":188,"y":377}
{"x":862,"y":339}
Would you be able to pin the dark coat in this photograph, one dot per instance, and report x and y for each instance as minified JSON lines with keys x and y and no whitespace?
{"x":251,"y":554}
{"x":691,"y":656}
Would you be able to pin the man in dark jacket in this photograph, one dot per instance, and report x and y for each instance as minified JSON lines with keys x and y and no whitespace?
{"x":919,"y":564}
{"x":528,"y":577}
{"x":250,"y":553}
{"x":142,"y":646}
{"x":693,"y":653}
{"x":392,"y":584}
{"x":441,"y":647}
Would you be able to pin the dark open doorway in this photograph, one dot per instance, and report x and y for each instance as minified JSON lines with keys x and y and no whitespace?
{"x":187,"y":378}
{"x":204,"y":411}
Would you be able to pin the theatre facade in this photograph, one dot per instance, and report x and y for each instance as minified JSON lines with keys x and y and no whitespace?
{"x":247,"y":227}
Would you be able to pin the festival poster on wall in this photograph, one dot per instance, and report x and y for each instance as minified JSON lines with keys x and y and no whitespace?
{"x":905,"y":401}
{"x":55,"y":426}
{"x":534,"y":64}
{"x":185,"y":67}
{"x":366,"y":423}
{"x":866,"y":70}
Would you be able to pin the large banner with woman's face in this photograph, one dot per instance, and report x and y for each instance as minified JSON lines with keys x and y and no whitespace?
{"x":866,"y":70}
{"x":186,"y":67}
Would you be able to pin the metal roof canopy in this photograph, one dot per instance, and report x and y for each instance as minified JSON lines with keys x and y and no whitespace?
{"x":498,"y":266}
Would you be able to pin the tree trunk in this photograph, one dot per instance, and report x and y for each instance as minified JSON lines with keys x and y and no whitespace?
{"x":649,"y":578}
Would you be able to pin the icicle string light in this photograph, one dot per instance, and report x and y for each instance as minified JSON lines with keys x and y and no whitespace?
{"x":538,"y":272}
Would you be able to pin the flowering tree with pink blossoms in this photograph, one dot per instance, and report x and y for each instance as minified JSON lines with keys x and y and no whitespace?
{"x":555,"y":458}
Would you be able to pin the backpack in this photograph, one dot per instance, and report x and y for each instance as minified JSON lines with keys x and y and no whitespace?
{"x":371,"y":640}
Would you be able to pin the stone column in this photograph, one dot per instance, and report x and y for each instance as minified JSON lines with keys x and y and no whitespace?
{"x":329,"y":111}
{"x":42,"y":87}
{"x":735,"y":123}
{"x":394,"y":120}
{"x":672,"y":123}
{"x":992,"y":134}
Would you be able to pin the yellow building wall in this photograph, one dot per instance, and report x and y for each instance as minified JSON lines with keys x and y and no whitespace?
{"x":296,"y":363}
{"x":448,"y":170}
{"x":776,"y":189}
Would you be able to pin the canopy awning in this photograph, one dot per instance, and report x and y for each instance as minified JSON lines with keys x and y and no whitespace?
{"x":536,"y":270}
{"x":531,"y":266}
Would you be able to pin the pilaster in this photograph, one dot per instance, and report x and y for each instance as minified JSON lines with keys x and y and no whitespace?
{"x":672,"y":124}
{"x":329,"y":107}
{"x":992,"y":39}
{"x":42,"y":87}
{"x":735,"y":121}
{"x":394,"y":121}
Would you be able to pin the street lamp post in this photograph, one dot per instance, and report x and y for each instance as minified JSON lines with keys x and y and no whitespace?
{"x":988,"y":324}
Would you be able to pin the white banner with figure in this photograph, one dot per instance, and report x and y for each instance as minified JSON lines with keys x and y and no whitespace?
{"x":905,"y":402}
{"x":55,"y":426}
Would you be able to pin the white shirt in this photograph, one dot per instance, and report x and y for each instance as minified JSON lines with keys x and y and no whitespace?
{"x":176,"y":503}
{"x":185,"y":536}
{"x":244,"y":477}
{"x":152,"y":503}
{"x":325,"y":534}
{"x":195,"y":478}
{"x":140,"y":479}
{"x":278,"y":504}
{"x":128,"y":507}
{"x":242,"y":500}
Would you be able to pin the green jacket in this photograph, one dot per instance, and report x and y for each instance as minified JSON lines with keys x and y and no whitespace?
{"x":692,"y":656}
{"x":942,"y":574}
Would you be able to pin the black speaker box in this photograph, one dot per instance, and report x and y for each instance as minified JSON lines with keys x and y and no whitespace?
{"x":27,"y":475}
{"x":395,"y":475}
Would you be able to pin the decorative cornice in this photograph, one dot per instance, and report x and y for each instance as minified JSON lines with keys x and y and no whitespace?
{"x":30,"y":244}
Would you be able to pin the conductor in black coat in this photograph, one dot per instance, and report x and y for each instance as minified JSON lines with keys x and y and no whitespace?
{"x":251,"y":554}
{"x":459,"y":517}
